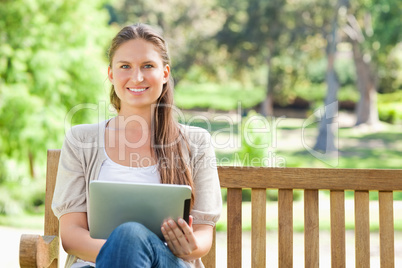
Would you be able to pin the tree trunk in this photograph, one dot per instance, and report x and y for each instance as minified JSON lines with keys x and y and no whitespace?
{"x":366,"y":110}
{"x":31,"y":164}
{"x":326,"y":139}
{"x":267,"y":105}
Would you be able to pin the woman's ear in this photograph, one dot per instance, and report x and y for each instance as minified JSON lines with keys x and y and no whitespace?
{"x":166,"y":73}
{"x":110,"y":74}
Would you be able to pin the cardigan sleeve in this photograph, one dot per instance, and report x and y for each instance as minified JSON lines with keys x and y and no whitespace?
{"x":208,"y":200}
{"x":70,"y":190}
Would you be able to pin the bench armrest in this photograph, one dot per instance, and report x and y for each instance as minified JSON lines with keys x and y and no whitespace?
{"x":38,"y":251}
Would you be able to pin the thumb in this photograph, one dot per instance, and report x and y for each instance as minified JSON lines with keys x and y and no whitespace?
{"x":190,"y":221}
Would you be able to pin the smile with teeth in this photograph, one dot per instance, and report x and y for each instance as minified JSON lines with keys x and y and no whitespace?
{"x":137,"y":89}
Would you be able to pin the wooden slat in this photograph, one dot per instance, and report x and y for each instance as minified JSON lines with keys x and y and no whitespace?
{"x":362,"y":229}
{"x":387,"y":257}
{"x":285,"y":228}
{"x":337,"y":205}
{"x":311,"y":178}
{"x":209,"y":260}
{"x":234,"y":228}
{"x":258,"y":227}
{"x":311,"y":229}
{"x":51,"y":221}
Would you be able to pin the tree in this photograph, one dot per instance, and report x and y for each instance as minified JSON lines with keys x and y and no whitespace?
{"x":51,"y":59}
{"x":326,"y":138}
{"x":254,"y":33}
{"x":373,"y":28}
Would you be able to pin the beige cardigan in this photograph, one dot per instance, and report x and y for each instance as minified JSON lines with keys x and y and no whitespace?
{"x":82,"y":156}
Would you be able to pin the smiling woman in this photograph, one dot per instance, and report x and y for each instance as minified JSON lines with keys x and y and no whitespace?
{"x":137,"y":78}
{"x":143,"y":143}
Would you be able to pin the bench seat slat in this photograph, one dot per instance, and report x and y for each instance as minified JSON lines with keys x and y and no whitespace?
{"x":386,"y":213}
{"x":362,"y":228}
{"x":234,"y":233}
{"x":337,"y":204}
{"x":311,"y":229}
{"x":285,"y":228}
{"x":258,"y":227}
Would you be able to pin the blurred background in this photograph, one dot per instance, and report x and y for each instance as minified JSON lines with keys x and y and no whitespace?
{"x":297,"y":65}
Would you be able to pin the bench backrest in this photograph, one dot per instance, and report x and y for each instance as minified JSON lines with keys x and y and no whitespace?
{"x":311,"y":180}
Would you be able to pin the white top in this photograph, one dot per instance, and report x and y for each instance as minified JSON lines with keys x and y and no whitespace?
{"x":111,"y":171}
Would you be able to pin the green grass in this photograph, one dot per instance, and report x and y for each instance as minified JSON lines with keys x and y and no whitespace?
{"x":214,"y":96}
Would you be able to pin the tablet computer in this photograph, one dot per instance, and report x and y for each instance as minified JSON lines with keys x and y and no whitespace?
{"x":114,"y":203}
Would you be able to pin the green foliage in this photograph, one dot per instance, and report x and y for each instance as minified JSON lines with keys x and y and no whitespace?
{"x":345,"y":70}
{"x":17,"y":197}
{"x":390,"y":107}
{"x":390,"y":112}
{"x":51,"y":59}
{"x":316,"y":71}
{"x":255,"y":140}
{"x":378,"y":31}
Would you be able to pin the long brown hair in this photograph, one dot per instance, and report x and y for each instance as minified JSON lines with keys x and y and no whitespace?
{"x":167,"y":137}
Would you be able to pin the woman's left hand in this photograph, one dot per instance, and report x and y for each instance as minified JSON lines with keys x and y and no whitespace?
{"x":180,"y":237}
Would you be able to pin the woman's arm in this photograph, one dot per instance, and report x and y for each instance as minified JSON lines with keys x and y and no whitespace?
{"x":187,"y":241}
{"x":75,"y":237}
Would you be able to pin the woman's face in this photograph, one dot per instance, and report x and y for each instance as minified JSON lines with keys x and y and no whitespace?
{"x":138,"y":74}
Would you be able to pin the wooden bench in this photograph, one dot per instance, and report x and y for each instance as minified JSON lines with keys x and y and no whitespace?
{"x":43,"y":251}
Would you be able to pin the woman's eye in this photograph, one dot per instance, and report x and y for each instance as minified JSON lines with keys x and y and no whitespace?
{"x":147,"y":66}
{"x":125,"y":66}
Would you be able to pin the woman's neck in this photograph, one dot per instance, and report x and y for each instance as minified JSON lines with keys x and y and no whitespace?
{"x":130,"y":120}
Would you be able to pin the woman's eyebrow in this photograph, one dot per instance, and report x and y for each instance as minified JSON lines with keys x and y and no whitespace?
{"x":148,"y":62}
{"x":122,"y":61}
{"x":144,"y":62}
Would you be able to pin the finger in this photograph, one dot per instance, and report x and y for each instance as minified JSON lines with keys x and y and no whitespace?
{"x":177,"y":231}
{"x":190,"y":221}
{"x":168,"y":239}
{"x":178,"y":237}
{"x":172,"y":231}
{"x":188,"y":232}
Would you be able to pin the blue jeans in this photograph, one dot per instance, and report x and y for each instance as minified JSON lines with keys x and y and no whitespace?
{"x":133,"y":245}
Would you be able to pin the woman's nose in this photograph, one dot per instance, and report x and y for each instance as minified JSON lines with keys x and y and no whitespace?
{"x":137,"y":75}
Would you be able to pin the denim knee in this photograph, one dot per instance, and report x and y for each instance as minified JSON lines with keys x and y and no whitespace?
{"x":131,"y":230}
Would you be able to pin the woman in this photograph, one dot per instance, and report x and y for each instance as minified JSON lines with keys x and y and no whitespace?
{"x":143,"y":143}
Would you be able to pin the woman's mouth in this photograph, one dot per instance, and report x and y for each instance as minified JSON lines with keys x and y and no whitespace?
{"x":137,"y":90}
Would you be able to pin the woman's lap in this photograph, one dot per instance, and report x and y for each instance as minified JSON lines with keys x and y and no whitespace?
{"x":133,"y":245}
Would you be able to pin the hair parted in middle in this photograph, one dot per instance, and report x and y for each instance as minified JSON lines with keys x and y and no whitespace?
{"x":167,"y":140}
